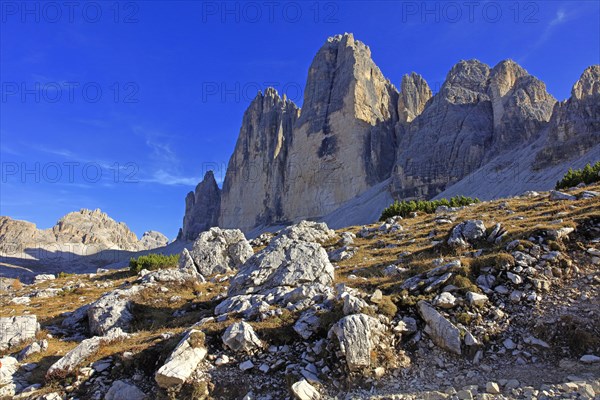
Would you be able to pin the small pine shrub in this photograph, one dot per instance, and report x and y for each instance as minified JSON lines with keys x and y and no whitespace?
{"x":404,"y":208}
{"x":153,"y":262}
{"x":589,"y":174}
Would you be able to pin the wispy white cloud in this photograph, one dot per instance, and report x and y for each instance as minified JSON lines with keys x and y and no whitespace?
{"x":165,"y":178}
{"x":164,"y":163}
{"x":560,"y":17}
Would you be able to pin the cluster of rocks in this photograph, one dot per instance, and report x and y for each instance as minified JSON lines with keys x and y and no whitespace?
{"x":345,"y":336}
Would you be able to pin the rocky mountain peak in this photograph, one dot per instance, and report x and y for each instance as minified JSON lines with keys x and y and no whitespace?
{"x":469,"y":74}
{"x":93,"y":227}
{"x":588,"y":84}
{"x":256,"y":168}
{"x":414,"y":94}
{"x":504,"y":76}
{"x":201,"y":208}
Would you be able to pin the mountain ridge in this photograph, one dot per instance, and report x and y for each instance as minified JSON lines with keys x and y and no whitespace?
{"x":356,"y":131}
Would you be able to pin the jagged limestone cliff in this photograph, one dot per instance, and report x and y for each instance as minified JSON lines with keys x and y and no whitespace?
{"x":356,"y":135}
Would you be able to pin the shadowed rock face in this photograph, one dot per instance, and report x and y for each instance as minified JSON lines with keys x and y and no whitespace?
{"x":575,"y":124}
{"x":478,"y":113}
{"x":201,"y":208}
{"x":253,"y":188}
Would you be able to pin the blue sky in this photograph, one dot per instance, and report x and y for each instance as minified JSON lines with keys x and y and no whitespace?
{"x":124,"y":107}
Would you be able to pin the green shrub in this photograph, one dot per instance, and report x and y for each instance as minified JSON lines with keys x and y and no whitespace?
{"x":153,"y":262}
{"x":589,"y":174}
{"x":404,"y":208}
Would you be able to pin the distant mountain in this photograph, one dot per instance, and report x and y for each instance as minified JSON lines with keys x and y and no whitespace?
{"x":358,"y":142}
{"x":79,"y":239}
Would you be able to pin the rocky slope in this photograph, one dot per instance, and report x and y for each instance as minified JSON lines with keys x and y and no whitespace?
{"x":497,"y":300}
{"x":356,"y":132}
{"x":78,"y":238}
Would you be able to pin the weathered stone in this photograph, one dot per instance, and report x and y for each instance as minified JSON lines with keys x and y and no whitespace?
{"x":240,"y":337}
{"x":476,"y":299}
{"x":492,"y":388}
{"x":151,"y":240}
{"x":442,"y":332}
{"x":556,"y":195}
{"x":219,"y":251}
{"x":69,"y":362}
{"x":113,"y":310}
{"x":303,"y":390}
{"x":589,"y":359}
{"x":445,"y":300}
{"x":183,"y":361}
{"x":357,"y":336}
{"x":121,"y":390}
{"x":466,"y":233}
{"x":285,"y":262}
{"x":307,"y":324}
{"x":8,"y":367}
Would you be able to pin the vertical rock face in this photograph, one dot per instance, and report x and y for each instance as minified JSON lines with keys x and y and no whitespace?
{"x":201,"y":208}
{"x":478,"y":113}
{"x":521,"y":105}
{"x":575,"y":124}
{"x":253,"y":188}
{"x":344,"y":140}
{"x":414,"y":94}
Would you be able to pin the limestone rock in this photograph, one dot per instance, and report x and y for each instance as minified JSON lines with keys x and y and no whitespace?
{"x":556,"y":195}
{"x":285,"y":262}
{"x":94,"y":228}
{"x":202,"y":208}
{"x":466,"y":232}
{"x":307,"y":324}
{"x":219,"y":251}
{"x":303,"y":390}
{"x":241,"y":337}
{"x":589,"y":359}
{"x":445,"y":300}
{"x":121,"y":390}
{"x":357,"y":336}
{"x":112,"y":311}
{"x":183,"y":361}
{"x":476,"y":299}
{"x":8,"y":367}
{"x":14,"y":330}
{"x":345,"y":133}
{"x":442,"y":332}
{"x":478,"y":112}
{"x":307,"y":231}
{"x":69,"y":362}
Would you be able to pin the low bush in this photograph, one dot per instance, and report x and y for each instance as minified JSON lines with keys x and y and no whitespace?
{"x":404,"y":208}
{"x":153,"y":262}
{"x":588,"y":174}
